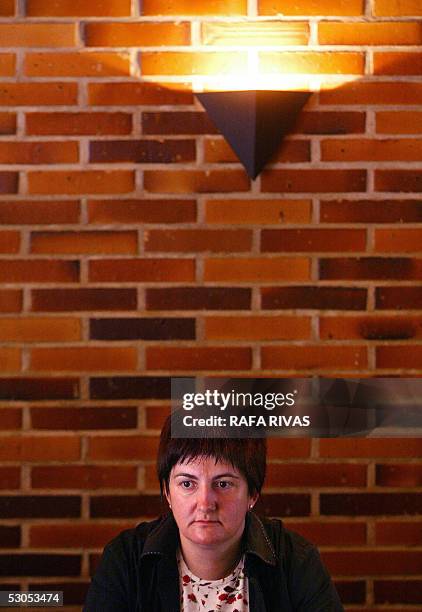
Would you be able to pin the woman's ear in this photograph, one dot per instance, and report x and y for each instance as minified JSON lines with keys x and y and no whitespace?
{"x":252,"y":500}
{"x":167,"y":495}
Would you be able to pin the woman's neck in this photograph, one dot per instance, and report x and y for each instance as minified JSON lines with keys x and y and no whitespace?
{"x":211,"y":563}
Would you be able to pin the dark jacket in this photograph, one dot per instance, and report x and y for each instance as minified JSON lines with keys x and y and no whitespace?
{"x":138,"y":571}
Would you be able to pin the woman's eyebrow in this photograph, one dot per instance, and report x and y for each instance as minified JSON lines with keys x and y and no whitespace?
{"x":225,"y":475}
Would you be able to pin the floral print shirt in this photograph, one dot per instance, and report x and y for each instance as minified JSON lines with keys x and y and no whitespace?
{"x":230,"y":594}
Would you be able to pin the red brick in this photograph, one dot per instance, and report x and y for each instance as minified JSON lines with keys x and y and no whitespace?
{"x":10,"y":300}
{"x":7,"y":123}
{"x":38,"y":94}
{"x":77,"y":64}
{"x":38,"y":271}
{"x":284,"y":448}
{"x":394,"y":33}
{"x":155,"y":417}
{"x":399,"y":475}
{"x":121,"y":506}
{"x":7,"y":64}
{"x":62,"y":300}
{"x":142,"y":328}
{"x":195,"y":181}
{"x":303,"y":181}
{"x":38,"y":152}
{"x":9,"y":182}
{"x":199,"y":358}
{"x":290,"y":151}
{"x":398,"y":298}
{"x":312,"y":62}
{"x":118,"y":448}
{"x":370,"y":504}
{"x":329,"y":533}
{"x":311,"y":7}
{"x":10,"y":419}
{"x":134,"y":94}
{"x":399,"y":122}
{"x":87,"y":534}
{"x":7,"y":8}
{"x":87,"y":418}
{"x":118,"y":34}
{"x":78,"y":8}
{"x":398,"y":240}
{"x":398,"y":180}
{"x":142,"y":151}
{"x":257,"y":269}
{"x":25,"y":388}
{"x":313,"y":357}
{"x":197,"y":240}
{"x":404,"y":149}
{"x":316,"y":122}
{"x":373,"y":562}
{"x":398,"y":591}
{"x":81,"y":182}
{"x":178,"y":122}
{"x":84,"y":477}
{"x":82,"y":123}
{"x":403,"y":356}
{"x":284,"y":504}
{"x":37,"y":329}
{"x":84,"y":242}
{"x":199,"y":298}
{"x":142,"y":270}
{"x":256,"y":33}
{"x":315,"y":475}
{"x":370,"y":328}
{"x":40,"y":448}
{"x":192,"y":7}
{"x":371,"y":448}
{"x":141,"y":211}
{"x":397,"y":8}
{"x":27,"y":564}
{"x":409,"y":63}
{"x":38,"y":35}
{"x":371,"y":268}
{"x":379,"y":92}
{"x":10,"y":359}
{"x":257,"y":212}
{"x":315,"y":298}
{"x":37,"y":212}
{"x":75,"y":359}
{"x":10,"y":477}
{"x":9,"y":242}
{"x":371,"y":211}
{"x":257,"y":327}
{"x":130,"y":387}
{"x":188,"y":63}
{"x":390,"y":533}
{"x":315,"y":240}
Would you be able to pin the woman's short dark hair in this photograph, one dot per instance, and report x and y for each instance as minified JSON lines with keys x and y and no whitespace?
{"x":248,"y":455}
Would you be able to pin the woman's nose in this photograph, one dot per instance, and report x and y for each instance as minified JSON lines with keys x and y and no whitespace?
{"x":206,"y":499}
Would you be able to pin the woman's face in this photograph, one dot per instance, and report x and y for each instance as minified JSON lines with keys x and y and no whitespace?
{"x":209,"y":501}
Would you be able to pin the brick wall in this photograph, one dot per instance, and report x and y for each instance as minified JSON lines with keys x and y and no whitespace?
{"x":133,"y":246}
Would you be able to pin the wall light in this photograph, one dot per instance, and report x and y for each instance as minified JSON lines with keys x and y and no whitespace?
{"x":253,"y":121}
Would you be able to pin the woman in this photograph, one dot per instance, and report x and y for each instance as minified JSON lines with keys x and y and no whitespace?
{"x":211,"y":552}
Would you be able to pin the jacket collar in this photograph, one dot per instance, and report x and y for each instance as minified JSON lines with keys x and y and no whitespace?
{"x":164,"y":539}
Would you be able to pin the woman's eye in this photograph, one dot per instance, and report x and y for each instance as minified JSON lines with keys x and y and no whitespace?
{"x":186,"y":484}
{"x":224,"y":484}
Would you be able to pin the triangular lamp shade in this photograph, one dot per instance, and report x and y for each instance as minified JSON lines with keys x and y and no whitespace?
{"x":253,"y":122}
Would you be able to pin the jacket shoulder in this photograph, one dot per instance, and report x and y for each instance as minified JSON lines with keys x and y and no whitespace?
{"x":286,"y":543}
